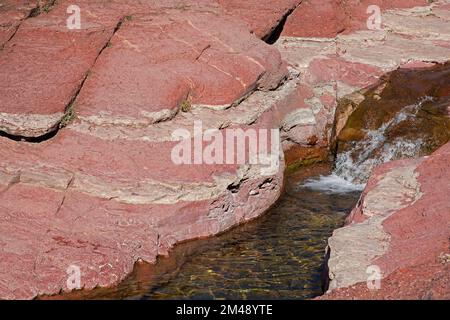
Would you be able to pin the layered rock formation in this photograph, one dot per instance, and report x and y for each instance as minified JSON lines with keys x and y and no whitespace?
{"x":348,"y":61}
{"x":87,"y":118}
{"x":400,"y":229}
{"x":100,"y":190}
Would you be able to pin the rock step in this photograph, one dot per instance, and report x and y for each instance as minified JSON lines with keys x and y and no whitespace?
{"x":55,"y":230}
{"x":264,"y":23}
{"x":153,"y":57}
{"x":157,"y":62}
{"x":44,"y":65}
{"x":103,"y":192}
{"x":405,"y":211}
{"x":337,"y":17}
{"x":335,"y":65}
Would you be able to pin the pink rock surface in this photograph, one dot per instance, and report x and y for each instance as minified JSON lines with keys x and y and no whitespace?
{"x":103,"y":192}
{"x":335,"y":17}
{"x":35,"y":90}
{"x":343,"y":57}
{"x":103,"y":237}
{"x":338,"y":60}
{"x":262,"y":17}
{"x":12,"y":13}
{"x":200,"y":60}
{"x":414,"y":216}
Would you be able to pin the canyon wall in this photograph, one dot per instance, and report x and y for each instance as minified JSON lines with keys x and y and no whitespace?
{"x":87,"y":117}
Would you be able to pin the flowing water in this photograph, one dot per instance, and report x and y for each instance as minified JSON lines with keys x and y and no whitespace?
{"x":353,"y":166}
{"x":278,"y":256}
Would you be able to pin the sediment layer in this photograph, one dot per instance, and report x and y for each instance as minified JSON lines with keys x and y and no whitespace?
{"x":87,"y":116}
{"x":400,"y":227}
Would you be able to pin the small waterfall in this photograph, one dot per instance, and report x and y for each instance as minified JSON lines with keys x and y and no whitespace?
{"x":353,"y":167}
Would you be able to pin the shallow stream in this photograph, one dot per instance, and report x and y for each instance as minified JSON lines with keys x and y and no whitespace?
{"x":278,"y":256}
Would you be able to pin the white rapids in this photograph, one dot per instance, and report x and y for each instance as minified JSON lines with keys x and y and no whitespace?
{"x":353,"y":167}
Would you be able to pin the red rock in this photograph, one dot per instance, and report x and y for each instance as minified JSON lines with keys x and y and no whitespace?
{"x":12,"y":13}
{"x":349,"y":58}
{"x":339,"y":65}
{"x":103,"y":192}
{"x":311,"y":13}
{"x":102,"y":234}
{"x":336,"y":17}
{"x":414,"y":214}
{"x":353,"y":74}
{"x":199,"y":58}
{"x":417,"y":65}
{"x":190,"y":71}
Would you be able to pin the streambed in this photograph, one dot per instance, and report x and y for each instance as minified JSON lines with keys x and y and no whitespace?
{"x":281,"y":255}
{"x":278,"y":256}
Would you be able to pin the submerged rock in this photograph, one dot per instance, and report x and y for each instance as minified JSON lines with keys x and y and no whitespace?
{"x":400,"y":229}
{"x":99,"y":190}
{"x":403,"y":116}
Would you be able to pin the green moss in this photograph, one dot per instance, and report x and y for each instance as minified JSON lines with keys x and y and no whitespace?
{"x":185,"y":106}
{"x":69,"y":116}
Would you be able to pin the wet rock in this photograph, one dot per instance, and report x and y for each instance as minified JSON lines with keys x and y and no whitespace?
{"x":406,"y":211}
{"x":402,"y":116}
{"x":112,"y":193}
{"x":345,"y":59}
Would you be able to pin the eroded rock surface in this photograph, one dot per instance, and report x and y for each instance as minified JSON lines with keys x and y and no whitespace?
{"x":344,"y":58}
{"x":104,"y":192}
{"x":401,"y":227}
{"x":100,"y":190}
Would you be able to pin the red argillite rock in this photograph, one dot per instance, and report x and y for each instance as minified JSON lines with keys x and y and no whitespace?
{"x":43,"y":67}
{"x":343,"y":56}
{"x":262,"y":17}
{"x":336,"y":17}
{"x":400,"y":229}
{"x":107,"y":104}
{"x":339,"y":60}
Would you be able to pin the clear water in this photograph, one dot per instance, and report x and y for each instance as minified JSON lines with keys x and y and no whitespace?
{"x":278,"y":256}
{"x":353,"y":168}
